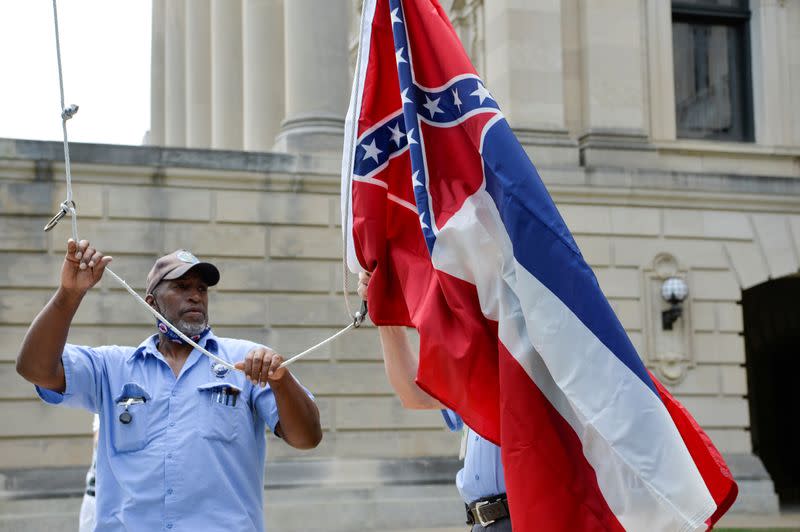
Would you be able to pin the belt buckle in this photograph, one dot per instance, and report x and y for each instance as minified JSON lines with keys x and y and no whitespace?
{"x":478,"y":514}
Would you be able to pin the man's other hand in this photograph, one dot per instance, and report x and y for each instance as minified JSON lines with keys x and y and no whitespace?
{"x":262,"y":366}
{"x":363,"y":284}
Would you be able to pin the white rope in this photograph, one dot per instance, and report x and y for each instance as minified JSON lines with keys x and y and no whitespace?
{"x":66,"y":114}
{"x":68,"y":207}
{"x":315,"y":347}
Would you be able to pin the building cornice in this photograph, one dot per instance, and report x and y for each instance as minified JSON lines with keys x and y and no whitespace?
{"x":146,"y":165}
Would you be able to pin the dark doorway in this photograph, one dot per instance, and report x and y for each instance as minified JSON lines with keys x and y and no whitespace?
{"x":772,"y":344}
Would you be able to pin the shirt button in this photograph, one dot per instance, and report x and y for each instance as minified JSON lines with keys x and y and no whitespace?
{"x":169,"y":491}
{"x":477,"y":477}
{"x":171,"y":423}
{"x":169,"y":525}
{"x":174,"y":394}
{"x":169,"y":455}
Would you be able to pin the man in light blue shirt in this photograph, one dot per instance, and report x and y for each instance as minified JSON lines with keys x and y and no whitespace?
{"x":182,"y":440}
{"x":482,"y":476}
{"x":480,"y":482}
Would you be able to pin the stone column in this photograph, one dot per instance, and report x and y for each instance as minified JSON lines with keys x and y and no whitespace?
{"x":263,"y":72}
{"x":774,"y":110}
{"x":317,"y":80}
{"x":156,"y":136}
{"x":661,"y":71}
{"x":526,"y":75}
{"x":612,"y":52}
{"x":198,"y":74}
{"x":793,"y":60}
{"x":174,"y":74}
{"x":226,"y":74}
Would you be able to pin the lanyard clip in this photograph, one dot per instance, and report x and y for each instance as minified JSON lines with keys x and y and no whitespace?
{"x":66,"y":208}
{"x":126,"y":417}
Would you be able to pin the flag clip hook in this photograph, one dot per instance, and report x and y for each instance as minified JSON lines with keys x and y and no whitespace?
{"x":360,"y":315}
{"x":66,"y":208}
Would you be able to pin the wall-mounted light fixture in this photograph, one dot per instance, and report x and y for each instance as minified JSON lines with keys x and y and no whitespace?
{"x":674,"y":291}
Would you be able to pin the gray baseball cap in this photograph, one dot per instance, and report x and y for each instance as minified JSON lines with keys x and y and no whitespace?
{"x":178,"y":263}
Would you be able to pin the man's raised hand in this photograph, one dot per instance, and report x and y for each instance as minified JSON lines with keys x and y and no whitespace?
{"x":83,"y":267}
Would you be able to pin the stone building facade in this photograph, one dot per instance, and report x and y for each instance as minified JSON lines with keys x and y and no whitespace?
{"x":667,"y":132}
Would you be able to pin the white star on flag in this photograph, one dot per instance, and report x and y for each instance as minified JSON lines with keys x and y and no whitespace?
{"x":422,"y":221}
{"x":398,"y":56}
{"x":456,"y":100}
{"x":432,"y":106}
{"x":482,"y":92}
{"x":396,"y":134}
{"x":417,"y":182}
{"x":411,"y":137}
{"x":395,"y":18}
{"x":371,"y":150}
{"x":404,"y":96}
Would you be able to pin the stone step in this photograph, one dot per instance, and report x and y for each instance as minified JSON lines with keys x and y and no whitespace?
{"x":35,"y":515}
{"x":300,"y":496}
{"x":335,"y":495}
{"x":343,"y":509}
{"x":299,"y":509}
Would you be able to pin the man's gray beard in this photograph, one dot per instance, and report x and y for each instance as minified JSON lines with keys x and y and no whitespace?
{"x":190,"y":328}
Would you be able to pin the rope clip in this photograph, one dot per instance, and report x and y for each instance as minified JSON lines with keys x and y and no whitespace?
{"x":69,"y":112}
{"x":360,"y":315}
{"x":66,"y":208}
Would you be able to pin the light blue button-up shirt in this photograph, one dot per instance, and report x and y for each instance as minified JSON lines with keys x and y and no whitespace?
{"x":482,"y":474}
{"x":186,"y":461}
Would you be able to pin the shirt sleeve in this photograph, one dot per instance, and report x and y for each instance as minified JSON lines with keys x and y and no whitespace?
{"x":453,"y":420}
{"x":267,"y":408}
{"x":83,"y":371}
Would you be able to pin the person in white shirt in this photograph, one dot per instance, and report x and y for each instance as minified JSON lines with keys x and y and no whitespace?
{"x":87,"y":520}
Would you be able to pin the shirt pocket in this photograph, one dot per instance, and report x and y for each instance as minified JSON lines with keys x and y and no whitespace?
{"x":131,"y":436}
{"x":222,"y":411}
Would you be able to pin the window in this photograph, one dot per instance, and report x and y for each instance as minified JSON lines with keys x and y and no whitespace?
{"x":711,"y":52}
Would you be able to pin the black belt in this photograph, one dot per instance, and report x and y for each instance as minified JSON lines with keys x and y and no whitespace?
{"x":488,"y":510}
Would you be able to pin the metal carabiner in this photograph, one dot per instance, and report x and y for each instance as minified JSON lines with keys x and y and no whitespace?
{"x":68,"y":112}
{"x":360,"y":314}
{"x":66,"y":207}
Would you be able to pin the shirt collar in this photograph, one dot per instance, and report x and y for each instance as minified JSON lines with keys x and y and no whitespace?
{"x":150,"y":345}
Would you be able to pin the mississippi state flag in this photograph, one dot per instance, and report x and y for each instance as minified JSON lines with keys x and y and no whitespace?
{"x":441,"y":203}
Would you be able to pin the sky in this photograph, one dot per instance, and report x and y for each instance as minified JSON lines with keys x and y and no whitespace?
{"x":105,"y":54}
